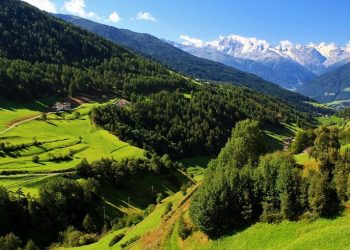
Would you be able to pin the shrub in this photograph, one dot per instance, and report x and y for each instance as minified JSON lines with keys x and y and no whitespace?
{"x":159,"y":198}
{"x":116,"y":239}
{"x":129,"y":242}
{"x":270,"y":214}
{"x":149,"y":210}
{"x":89,"y":224}
{"x":74,"y":238}
{"x":35,"y":158}
{"x":87,"y":239}
{"x":184,"y":228}
{"x":31,"y":246}
{"x":43,"y":116}
{"x":168,"y":208}
{"x":10,"y":241}
{"x":70,"y":237}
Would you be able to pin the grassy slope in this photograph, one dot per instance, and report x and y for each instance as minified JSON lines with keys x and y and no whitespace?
{"x":331,"y":120}
{"x":10,"y":111}
{"x":321,"y":234}
{"x":138,"y":193}
{"x":59,"y":137}
{"x":28,"y":183}
{"x":196,"y":166}
{"x":150,"y":223}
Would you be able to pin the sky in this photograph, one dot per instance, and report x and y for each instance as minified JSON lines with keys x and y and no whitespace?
{"x":298,"y":21}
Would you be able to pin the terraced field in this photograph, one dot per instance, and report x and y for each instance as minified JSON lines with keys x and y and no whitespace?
{"x":59,"y":143}
{"x":57,"y":137}
{"x":26,"y":183}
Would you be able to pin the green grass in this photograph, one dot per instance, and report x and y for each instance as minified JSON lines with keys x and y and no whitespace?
{"x":330,"y":120}
{"x":344,"y":148}
{"x":196,"y":166}
{"x":29,"y":184}
{"x":57,"y":136}
{"x":150,"y":223}
{"x":188,"y":96}
{"x":306,"y":161}
{"x":318,"y":105}
{"x":138,"y":193}
{"x":10,"y":111}
{"x":61,"y":137}
{"x":275,"y":136}
{"x":101,"y":244}
{"x":321,"y":234}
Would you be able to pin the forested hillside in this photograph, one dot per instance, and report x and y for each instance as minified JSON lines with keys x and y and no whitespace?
{"x":42,"y":55}
{"x":194,"y":124}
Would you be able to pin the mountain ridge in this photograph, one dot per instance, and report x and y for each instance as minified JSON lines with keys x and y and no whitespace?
{"x":190,"y":65}
{"x":332,"y":86}
{"x":290,"y":65}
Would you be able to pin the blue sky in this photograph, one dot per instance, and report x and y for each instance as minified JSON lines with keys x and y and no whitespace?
{"x":299,"y":21}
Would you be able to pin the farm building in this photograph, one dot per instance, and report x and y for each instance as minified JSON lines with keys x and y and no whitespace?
{"x":60,"y":106}
{"x":287,"y":143}
{"x":122,"y":103}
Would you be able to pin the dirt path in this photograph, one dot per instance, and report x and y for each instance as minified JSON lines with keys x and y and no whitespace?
{"x":20,"y":121}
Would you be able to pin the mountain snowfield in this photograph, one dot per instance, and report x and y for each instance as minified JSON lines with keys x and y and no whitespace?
{"x":287,"y":64}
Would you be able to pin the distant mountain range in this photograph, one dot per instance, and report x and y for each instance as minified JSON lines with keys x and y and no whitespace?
{"x":183,"y":62}
{"x":291,"y":66}
{"x":332,"y":86}
{"x":286,"y":64}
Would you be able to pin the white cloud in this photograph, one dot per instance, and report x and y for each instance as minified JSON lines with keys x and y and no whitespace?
{"x":114,"y":17}
{"x":77,"y":7}
{"x":46,"y":5}
{"x":146,"y":16}
{"x":186,"y":40}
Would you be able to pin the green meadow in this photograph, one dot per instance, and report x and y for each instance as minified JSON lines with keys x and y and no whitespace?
{"x":330,"y":120}
{"x":70,"y":133}
{"x":57,"y":136}
{"x":320,"y":234}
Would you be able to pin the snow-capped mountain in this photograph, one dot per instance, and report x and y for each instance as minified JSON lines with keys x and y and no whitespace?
{"x":287,"y":64}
